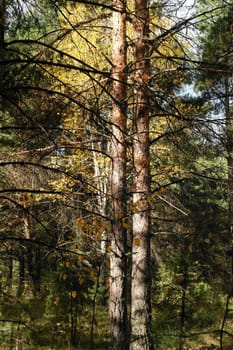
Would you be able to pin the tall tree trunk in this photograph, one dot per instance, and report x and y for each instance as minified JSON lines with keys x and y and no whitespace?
{"x":140,"y":278}
{"x":117,"y":286}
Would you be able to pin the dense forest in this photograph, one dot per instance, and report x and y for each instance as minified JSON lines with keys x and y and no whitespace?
{"x":116,"y":174}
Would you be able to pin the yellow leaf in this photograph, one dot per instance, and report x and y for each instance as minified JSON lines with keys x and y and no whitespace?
{"x":80,"y":223}
{"x":80,"y":281}
{"x":98,"y":236}
{"x":149,"y":200}
{"x":64,"y":276}
{"x":57,"y":300}
{"x":109,"y":250}
{"x":125,"y":223}
{"x":92,"y":274}
{"x":137,"y":242}
{"x":118,"y":215}
{"x":107,"y":227}
{"x":135,"y":208}
{"x":81,"y":258}
{"x":74,"y":294}
{"x":101,"y":280}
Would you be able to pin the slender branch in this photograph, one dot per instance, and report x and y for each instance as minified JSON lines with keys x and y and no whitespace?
{"x":18,"y":322}
{"x":45,"y":167}
{"x":43,"y":244}
{"x":173,"y":206}
{"x":98,"y":4}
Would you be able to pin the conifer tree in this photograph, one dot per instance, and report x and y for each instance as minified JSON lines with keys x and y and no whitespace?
{"x":117,"y":288}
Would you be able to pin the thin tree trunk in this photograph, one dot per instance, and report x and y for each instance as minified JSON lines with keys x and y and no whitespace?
{"x":102,"y":183}
{"x":21,"y":272}
{"x":141,"y":279}
{"x":117,"y":285}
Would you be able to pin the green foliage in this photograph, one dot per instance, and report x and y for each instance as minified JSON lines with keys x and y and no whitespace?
{"x":32,"y":20}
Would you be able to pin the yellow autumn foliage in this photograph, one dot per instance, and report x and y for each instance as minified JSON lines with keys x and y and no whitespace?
{"x":74,"y":294}
{"x":137,"y":242}
{"x":80,"y":222}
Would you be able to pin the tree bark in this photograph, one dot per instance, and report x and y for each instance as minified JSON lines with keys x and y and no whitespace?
{"x":117,"y":286}
{"x":140,"y":279}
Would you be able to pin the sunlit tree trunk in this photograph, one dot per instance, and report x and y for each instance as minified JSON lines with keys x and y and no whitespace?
{"x":21,"y":285}
{"x":117,"y":286}
{"x":140,"y":285}
{"x":101,"y":169}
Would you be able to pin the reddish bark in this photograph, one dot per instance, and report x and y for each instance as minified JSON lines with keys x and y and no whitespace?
{"x":117,"y":288}
{"x":140,"y":278}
